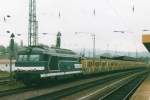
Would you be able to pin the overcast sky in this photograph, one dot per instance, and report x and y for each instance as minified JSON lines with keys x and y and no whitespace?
{"x":77,"y":16}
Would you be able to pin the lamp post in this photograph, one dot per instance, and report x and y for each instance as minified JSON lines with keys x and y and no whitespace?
{"x":93,"y":37}
{"x":123,"y":32}
{"x":5,"y":18}
{"x":46,"y":35}
{"x":20,"y":39}
{"x":11,"y":47}
{"x":144,"y":30}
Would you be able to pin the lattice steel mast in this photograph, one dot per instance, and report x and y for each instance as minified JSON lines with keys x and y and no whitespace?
{"x":33,"y":24}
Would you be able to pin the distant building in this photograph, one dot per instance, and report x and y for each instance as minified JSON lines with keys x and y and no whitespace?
{"x":5,"y":65}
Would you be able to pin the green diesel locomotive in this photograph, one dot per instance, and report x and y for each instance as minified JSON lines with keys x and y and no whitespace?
{"x":35,"y":63}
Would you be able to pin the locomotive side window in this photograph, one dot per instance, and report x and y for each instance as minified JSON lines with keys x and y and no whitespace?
{"x":22,"y":58}
{"x":67,"y":63}
{"x":33,"y":58}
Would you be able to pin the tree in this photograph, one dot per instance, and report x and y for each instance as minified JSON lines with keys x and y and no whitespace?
{"x":2,"y":50}
{"x":16,"y":47}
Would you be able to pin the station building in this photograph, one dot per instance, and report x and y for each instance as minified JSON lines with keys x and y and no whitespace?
{"x":5,"y":65}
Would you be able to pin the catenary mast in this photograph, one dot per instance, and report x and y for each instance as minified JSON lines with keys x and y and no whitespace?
{"x":33,"y":24}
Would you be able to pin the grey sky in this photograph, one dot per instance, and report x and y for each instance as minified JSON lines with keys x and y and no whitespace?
{"x":77,"y":16}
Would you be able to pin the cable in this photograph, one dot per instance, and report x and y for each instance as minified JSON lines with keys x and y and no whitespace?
{"x":116,"y":13}
{"x":132,"y":5}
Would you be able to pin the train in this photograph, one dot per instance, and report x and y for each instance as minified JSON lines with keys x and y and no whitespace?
{"x":37,"y":63}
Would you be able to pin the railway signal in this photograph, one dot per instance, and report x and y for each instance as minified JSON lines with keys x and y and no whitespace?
{"x":11,"y":47}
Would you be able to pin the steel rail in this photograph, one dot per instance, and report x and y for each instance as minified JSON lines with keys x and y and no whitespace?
{"x":77,"y":88}
{"x":134,"y":88}
{"x":23,"y":90}
{"x":124,"y":92}
{"x":107,"y":90}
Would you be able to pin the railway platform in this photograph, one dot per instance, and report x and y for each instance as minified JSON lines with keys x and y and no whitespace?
{"x":143,"y":91}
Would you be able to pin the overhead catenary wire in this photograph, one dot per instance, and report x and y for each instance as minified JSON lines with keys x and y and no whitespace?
{"x":59,"y":15}
{"x":122,"y":20}
{"x":59,"y":19}
{"x":120,"y":17}
{"x":132,"y":6}
{"x":94,"y":12}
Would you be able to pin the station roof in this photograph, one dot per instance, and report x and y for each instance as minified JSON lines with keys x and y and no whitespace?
{"x":146,"y":38}
{"x":146,"y":41}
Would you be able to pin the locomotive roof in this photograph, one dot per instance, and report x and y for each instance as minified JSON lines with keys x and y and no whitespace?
{"x":46,"y":50}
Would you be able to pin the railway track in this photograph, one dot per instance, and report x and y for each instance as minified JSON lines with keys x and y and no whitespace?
{"x":31,"y":92}
{"x":78,"y":88}
{"x":22,"y":90}
{"x":6,"y":80}
{"x":13,"y":91}
{"x":3,"y":78}
{"x":118,"y":90}
{"x":124,"y":92}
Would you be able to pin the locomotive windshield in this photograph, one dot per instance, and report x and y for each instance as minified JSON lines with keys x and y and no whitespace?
{"x":33,"y":58}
